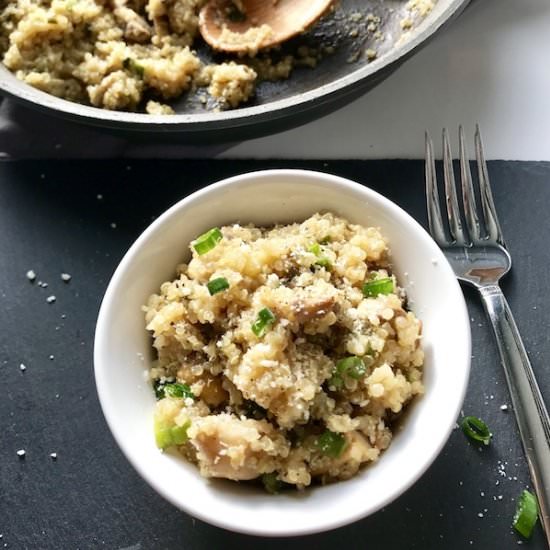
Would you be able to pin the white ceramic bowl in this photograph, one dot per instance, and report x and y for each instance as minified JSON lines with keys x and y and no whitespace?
{"x":123,"y":351}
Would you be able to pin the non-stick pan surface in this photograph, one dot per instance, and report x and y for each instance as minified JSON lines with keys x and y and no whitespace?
{"x":307,"y":94}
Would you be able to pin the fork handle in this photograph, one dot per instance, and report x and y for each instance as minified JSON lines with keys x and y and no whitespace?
{"x":530,"y":410}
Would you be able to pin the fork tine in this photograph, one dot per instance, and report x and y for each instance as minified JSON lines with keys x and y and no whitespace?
{"x":468,"y":196}
{"x":494,"y":232}
{"x":453,"y":213}
{"x":435,"y":220}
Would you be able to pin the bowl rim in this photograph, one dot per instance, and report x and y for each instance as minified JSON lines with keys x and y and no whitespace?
{"x":241,"y":179}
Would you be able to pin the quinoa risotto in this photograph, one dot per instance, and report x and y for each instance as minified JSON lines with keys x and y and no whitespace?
{"x":128,"y":54}
{"x":284,"y":353}
{"x":139,"y":55}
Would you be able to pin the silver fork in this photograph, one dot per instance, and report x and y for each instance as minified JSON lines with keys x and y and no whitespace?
{"x":474,"y":246}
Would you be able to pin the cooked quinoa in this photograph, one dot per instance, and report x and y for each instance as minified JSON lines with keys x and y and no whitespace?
{"x":128,"y":54}
{"x":140,"y":55}
{"x":284,"y":354}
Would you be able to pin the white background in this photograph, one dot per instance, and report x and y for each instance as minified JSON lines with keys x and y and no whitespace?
{"x":491,"y":66}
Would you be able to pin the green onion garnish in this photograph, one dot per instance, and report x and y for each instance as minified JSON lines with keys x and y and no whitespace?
{"x":217,"y":285}
{"x":372,"y":289}
{"x":476,"y":429}
{"x":315,"y":249}
{"x":526,"y":515}
{"x":325,"y":240}
{"x":322,"y":261}
{"x":271,"y":484}
{"x":263,"y":321}
{"x":331,"y":444}
{"x":167,"y":435}
{"x":178,"y":390}
{"x":335,"y":381}
{"x":159,"y":389}
{"x":133,"y":66}
{"x":352,"y":366}
{"x":173,"y":390}
{"x":207,"y":241}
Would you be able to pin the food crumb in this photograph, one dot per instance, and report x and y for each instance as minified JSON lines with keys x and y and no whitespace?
{"x":480,"y":514}
{"x":50,"y":299}
{"x":504,"y":407}
{"x":113,"y":225}
{"x":41,"y":284}
{"x":371,"y":54}
{"x":51,"y":357}
{"x":99,"y":196}
{"x":22,"y":367}
{"x":65,"y":277}
{"x":31,"y":275}
{"x":53,"y":456}
{"x":21,"y":453}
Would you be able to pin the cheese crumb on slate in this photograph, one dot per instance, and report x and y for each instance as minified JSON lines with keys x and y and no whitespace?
{"x":50,"y":299}
{"x":31,"y":275}
{"x":53,"y":456}
{"x":22,"y":367}
{"x":65,"y":277}
{"x":21,"y":453}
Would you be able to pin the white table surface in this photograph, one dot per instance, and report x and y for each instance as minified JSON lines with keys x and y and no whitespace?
{"x":491,"y":66}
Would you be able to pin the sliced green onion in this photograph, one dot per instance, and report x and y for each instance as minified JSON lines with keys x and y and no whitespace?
{"x":159,"y":389}
{"x":315,"y":249}
{"x":163,"y":389}
{"x":263,"y":321}
{"x":133,"y":66}
{"x":526,"y":515}
{"x":271,"y":484}
{"x":163,"y":435}
{"x":352,"y":366}
{"x":476,"y":429}
{"x":179,"y":433}
{"x":217,"y":285}
{"x":371,"y":289}
{"x":336,"y":381}
{"x":207,"y":241}
{"x":322,"y":261}
{"x":331,"y":444}
{"x":178,"y":390}
{"x":167,"y":435}
{"x":325,"y":240}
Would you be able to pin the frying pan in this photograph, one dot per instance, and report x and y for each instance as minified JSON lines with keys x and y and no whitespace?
{"x":306,"y":95}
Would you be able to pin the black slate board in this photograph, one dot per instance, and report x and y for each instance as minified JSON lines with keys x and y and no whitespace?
{"x":52,"y":221}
